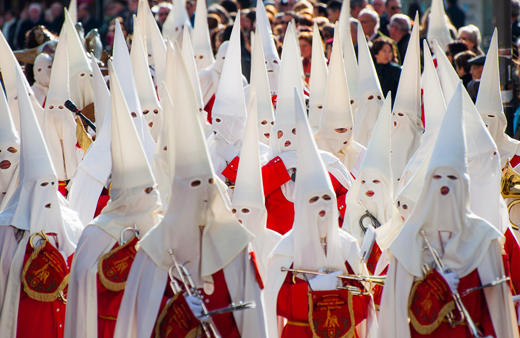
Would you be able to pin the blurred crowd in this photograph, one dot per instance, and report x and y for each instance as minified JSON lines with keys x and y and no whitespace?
{"x":387,"y":29}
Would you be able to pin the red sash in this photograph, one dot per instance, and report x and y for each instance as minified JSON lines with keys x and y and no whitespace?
{"x":114,"y":266}
{"x":331,"y":314}
{"x":258,"y":277}
{"x":177,"y":320}
{"x":430,"y":301}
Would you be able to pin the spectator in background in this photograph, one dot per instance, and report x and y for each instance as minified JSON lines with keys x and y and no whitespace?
{"x":477,"y":66}
{"x":413,"y":8}
{"x":58,"y":16}
{"x":287,"y":17}
{"x":455,"y":48}
{"x":9,"y":27}
{"x":86,"y":18}
{"x":471,"y":36}
{"x":385,"y":61}
{"x":327,"y":32}
{"x":400,"y":29}
{"x":353,"y":30}
{"x":229,"y":5}
{"x":378,"y":6}
{"x":515,"y":12}
{"x":225,"y":18}
{"x":392,"y":7}
{"x":163,"y":9}
{"x":356,"y":6}
{"x":305,"y":40}
{"x":35,"y":18}
{"x":190,"y":9}
{"x":462,"y":67}
{"x":370,"y":22}
{"x":243,"y":4}
{"x":455,"y":13}
{"x":333,"y":10}
{"x":303,"y":6}
{"x":320,"y":10}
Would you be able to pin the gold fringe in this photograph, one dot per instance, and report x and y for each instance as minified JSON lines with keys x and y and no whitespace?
{"x":42,"y":297}
{"x":83,"y":138}
{"x":350,"y":333}
{"x":191,"y":334}
{"x":108,"y":283}
{"x":427,"y":329}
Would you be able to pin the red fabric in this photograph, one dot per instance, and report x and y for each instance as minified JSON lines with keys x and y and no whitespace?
{"x":514,"y":161}
{"x":476,"y":305}
{"x":512,"y":249}
{"x":293,"y":304}
{"x":102,"y":202}
{"x":280,"y":212}
{"x":225,"y":322}
{"x":62,"y":188}
{"x":39,"y":319}
{"x":422,"y":108}
{"x":209,"y":108}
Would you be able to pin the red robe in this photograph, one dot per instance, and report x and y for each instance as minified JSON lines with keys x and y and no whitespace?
{"x":293,"y":304}
{"x":225,"y":323}
{"x":280,"y":211}
{"x":476,"y":305}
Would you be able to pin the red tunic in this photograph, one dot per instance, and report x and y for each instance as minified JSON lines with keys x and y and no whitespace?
{"x":225,"y":323}
{"x":209,"y":108}
{"x":293,"y":304}
{"x":102,"y":202}
{"x":108,"y":307}
{"x":514,"y":161}
{"x":280,"y":211}
{"x":476,"y":305}
{"x":40,"y":319}
{"x":512,"y":250}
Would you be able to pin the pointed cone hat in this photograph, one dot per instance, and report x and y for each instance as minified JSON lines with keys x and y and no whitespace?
{"x":201,"y":39}
{"x":368,"y":82}
{"x":336,"y":102}
{"x":144,"y":29}
{"x":408,"y":96}
{"x":73,"y":11}
{"x":191,"y":65}
{"x":59,"y":80}
{"x":318,"y":80}
{"x":101,"y":95}
{"x":8,"y":133}
{"x":174,"y":23}
{"x":229,"y":99}
{"x":378,"y":150}
{"x":156,"y":46}
{"x":412,"y":190}
{"x":438,"y":27}
{"x":248,"y":185}
{"x":145,"y":86}
{"x":260,"y":81}
{"x":344,"y":21}
{"x":351,"y":66}
{"x":263,"y":27}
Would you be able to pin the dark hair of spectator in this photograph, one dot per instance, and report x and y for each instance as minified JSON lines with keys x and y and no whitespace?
{"x":356,"y":3}
{"x":456,"y":47}
{"x":322,"y":9}
{"x":305,"y":20}
{"x":379,"y":43}
{"x":461,"y":60}
{"x":244,"y":3}
{"x":252,"y":16}
{"x":229,"y":5}
{"x":294,"y":16}
{"x":335,"y":5}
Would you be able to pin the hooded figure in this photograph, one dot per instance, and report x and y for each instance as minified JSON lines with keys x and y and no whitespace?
{"x":248,"y":197}
{"x":9,"y":152}
{"x":335,"y":133}
{"x":174,"y":24}
{"x":318,"y":80}
{"x":209,"y":78}
{"x":272,"y":60}
{"x":466,"y":244}
{"x":373,"y":191}
{"x":94,"y":292}
{"x":39,"y":236}
{"x":59,"y":126}
{"x":349,"y":54}
{"x":202,"y":51}
{"x":42,"y":76}
{"x":260,"y":81}
{"x":199,"y":229}
{"x":370,"y":94}
{"x":438,"y":27}
{"x":407,"y":108}
{"x":151,"y":108}
{"x":489,"y":105}
{"x":315,"y":243}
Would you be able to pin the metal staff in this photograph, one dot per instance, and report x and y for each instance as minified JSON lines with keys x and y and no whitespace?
{"x":72,"y":107}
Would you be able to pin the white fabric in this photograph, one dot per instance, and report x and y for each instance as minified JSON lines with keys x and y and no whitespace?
{"x":202,"y":51}
{"x":318,"y":80}
{"x":210,"y":76}
{"x":174,"y":24}
{"x":42,"y":76}
{"x":155,"y":44}
{"x":438,"y":27}
{"x":263,"y":28}
{"x":349,"y":54}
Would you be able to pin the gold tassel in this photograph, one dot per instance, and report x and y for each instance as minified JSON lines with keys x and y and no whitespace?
{"x":84,"y":139}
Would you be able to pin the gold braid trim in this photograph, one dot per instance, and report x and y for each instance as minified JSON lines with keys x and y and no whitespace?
{"x":350,"y":333}
{"x":427,"y":329}
{"x":108,"y":283}
{"x":42,"y":297}
{"x":191,"y":334}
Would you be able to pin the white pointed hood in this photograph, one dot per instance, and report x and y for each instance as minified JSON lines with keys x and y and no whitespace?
{"x":101,"y":95}
{"x":123,"y":68}
{"x":351,"y":68}
{"x":438,"y":27}
{"x":59,"y":125}
{"x":152,"y":110}
{"x":73,"y":11}
{"x":201,"y":40}
{"x":290,"y":78}
{"x":373,"y":185}
{"x":190,"y":59}
{"x":434,"y":110}
{"x":9,"y":152}
{"x":318,"y":80}
{"x":309,"y":226}
{"x":229,"y":109}
{"x":144,"y":29}
{"x":155,"y":45}
{"x":470,"y":236}
{"x":406,"y":114}
{"x":369,"y":91}
{"x":263,"y":27}
{"x":209,"y":77}
{"x":489,"y":105}
{"x":80,"y":71}
{"x":36,"y":204}
{"x":260,"y":81}
{"x":174,"y":23}
{"x":196,"y":201}
{"x":42,"y":74}
{"x":134,"y":198}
